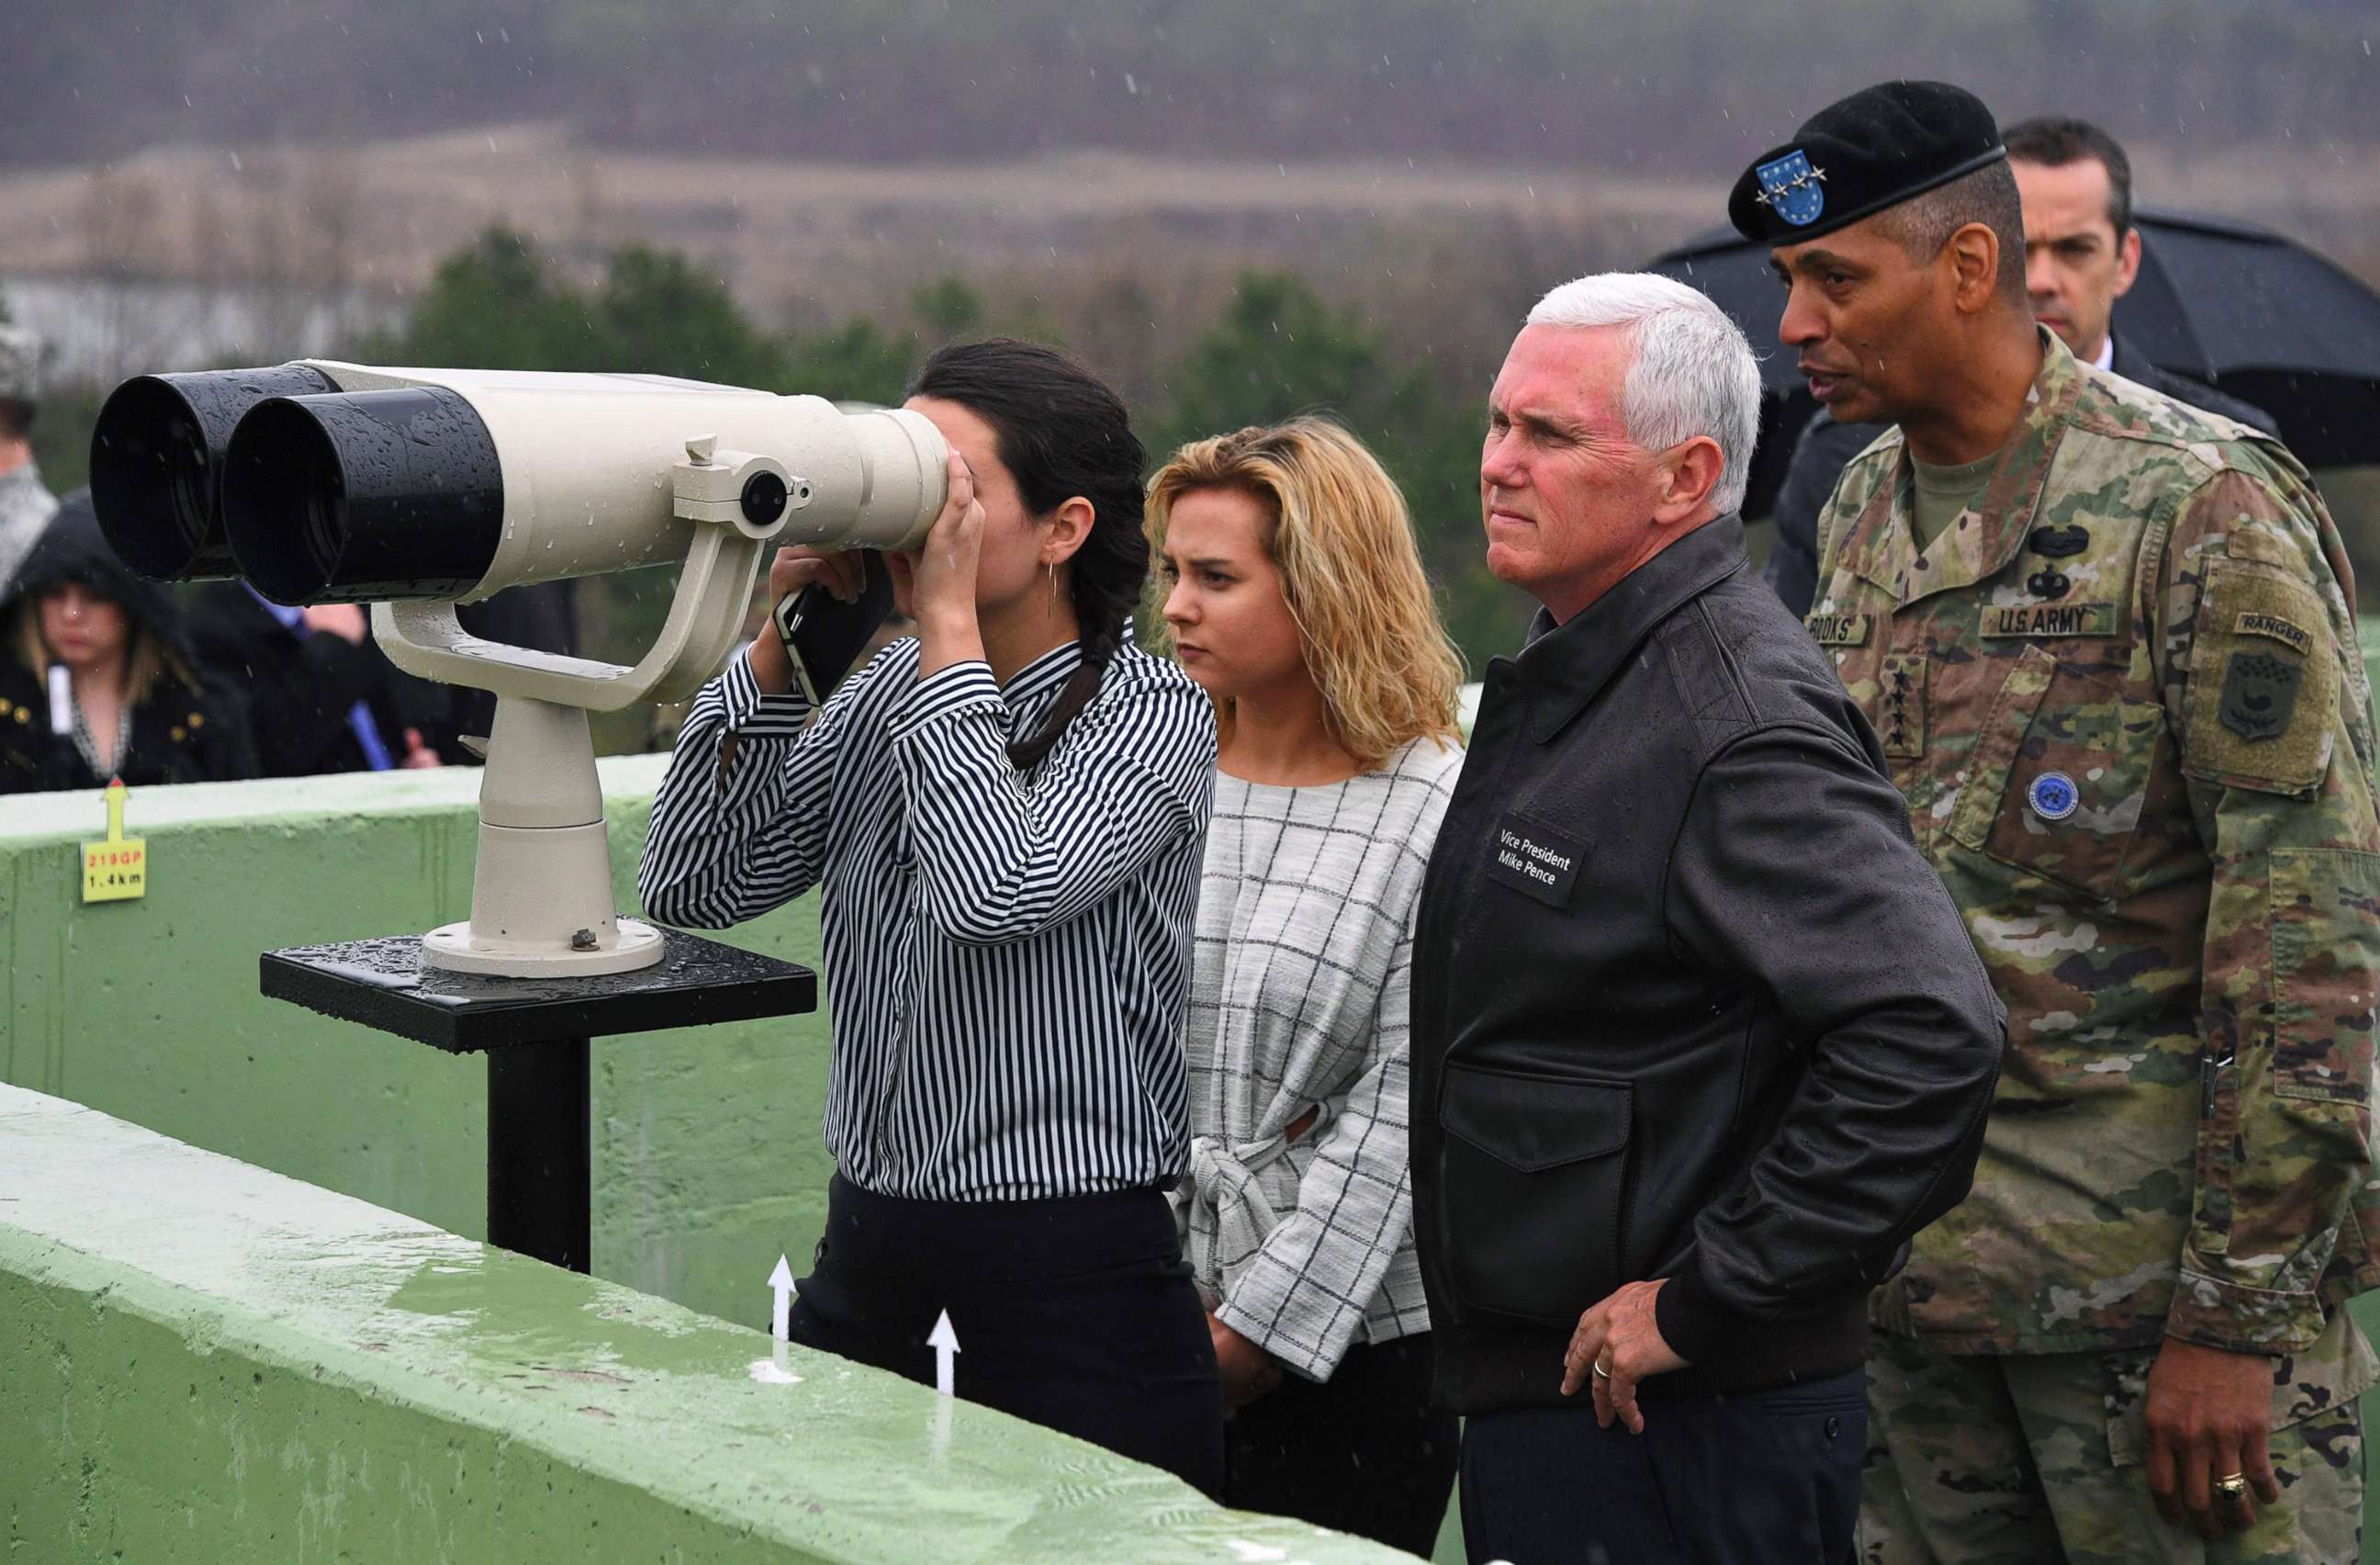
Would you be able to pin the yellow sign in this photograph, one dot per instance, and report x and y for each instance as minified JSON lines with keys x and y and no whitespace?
{"x":117,"y":869}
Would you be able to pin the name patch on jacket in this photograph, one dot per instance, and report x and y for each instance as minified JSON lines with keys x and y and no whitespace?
{"x":1837,"y":629}
{"x":2050,"y":619}
{"x":1527,"y":857}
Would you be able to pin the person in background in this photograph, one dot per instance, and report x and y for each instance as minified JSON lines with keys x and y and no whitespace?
{"x":1700,"y":1038}
{"x":322,"y":696}
{"x":25,"y":505}
{"x":1294,"y":595}
{"x":2081,"y":253}
{"x":1004,"y":814}
{"x":2107,"y":642}
{"x":97,"y":680}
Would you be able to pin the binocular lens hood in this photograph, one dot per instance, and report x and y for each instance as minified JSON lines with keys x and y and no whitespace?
{"x":322,"y":482}
{"x":157,"y":463}
{"x":363,"y":497}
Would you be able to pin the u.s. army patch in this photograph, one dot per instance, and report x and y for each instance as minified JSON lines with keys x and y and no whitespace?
{"x":2049,"y":619}
{"x":2259,"y":692}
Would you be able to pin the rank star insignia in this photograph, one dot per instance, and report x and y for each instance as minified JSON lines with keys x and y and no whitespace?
{"x":1800,"y":181}
{"x":1792,"y":187}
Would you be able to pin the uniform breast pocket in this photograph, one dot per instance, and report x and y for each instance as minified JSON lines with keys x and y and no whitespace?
{"x":2059,"y":775}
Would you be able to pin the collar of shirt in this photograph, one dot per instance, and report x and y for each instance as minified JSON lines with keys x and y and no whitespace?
{"x":1568,"y":664}
{"x":1882,"y":545}
{"x":1033,"y":689}
{"x":2107,"y":356}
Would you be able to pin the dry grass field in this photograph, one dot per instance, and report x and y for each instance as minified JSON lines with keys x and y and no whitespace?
{"x":1134,"y":253}
{"x":802,"y":239}
{"x":380,"y":215}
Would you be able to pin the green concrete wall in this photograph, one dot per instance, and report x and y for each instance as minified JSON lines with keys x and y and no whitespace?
{"x":708,"y":1155}
{"x":205,"y":1362}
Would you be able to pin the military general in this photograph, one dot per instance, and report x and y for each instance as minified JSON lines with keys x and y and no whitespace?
{"x":2106,"y":640}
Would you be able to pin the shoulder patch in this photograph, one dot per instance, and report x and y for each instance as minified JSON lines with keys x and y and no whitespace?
{"x":2254,"y":622}
{"x":2262,"y":699}
{"x":2260,"y":693}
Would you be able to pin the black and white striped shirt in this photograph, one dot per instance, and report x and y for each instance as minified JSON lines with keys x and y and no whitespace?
{"x":1007,"y":954}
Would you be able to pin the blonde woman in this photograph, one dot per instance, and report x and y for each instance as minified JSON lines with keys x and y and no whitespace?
{"x":1295,"y":597}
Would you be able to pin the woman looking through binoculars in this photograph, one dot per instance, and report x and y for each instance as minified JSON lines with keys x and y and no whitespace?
{"x":1005,"y":815}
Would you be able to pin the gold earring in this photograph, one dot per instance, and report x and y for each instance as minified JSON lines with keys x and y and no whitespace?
{"x":1051,"y":571}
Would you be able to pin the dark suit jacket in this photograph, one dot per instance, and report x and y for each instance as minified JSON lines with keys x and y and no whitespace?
{"x":1825,"y":447}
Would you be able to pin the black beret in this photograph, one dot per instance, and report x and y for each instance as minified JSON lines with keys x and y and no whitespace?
{"x":1850,"y":160}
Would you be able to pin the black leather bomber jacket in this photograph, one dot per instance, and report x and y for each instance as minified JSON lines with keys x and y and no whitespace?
{"x":1687,"y":1003}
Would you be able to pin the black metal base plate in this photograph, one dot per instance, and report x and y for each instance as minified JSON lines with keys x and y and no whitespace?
{"x":383,"y":984}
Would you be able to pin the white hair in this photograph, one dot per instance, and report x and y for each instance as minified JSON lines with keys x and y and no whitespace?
{"x":1692,"y":372}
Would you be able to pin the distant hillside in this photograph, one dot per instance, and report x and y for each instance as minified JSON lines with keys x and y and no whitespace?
{"x":1648,"y":86}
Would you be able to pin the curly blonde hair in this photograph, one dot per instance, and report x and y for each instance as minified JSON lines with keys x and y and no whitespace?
{"x":1350,"y":572}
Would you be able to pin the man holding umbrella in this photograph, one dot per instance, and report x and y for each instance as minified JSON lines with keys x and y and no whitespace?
{"x":2106,"y":642}
{"x":2081,"y":253}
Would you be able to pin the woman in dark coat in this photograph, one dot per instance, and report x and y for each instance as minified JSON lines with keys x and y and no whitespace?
{"x":97,"y":679}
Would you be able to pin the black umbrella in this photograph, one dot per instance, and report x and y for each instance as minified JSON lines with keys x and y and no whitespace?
{"x":2230,"y":303}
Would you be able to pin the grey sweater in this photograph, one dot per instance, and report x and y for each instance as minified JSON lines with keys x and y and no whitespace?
{"x":1298,"y":1000}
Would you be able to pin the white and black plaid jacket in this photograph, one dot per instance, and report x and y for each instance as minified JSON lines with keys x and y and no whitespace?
{"x":1298,"y":1002}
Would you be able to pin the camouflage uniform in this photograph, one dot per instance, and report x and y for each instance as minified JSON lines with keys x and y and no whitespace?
{"x":2123,"y":699}
{"x":25,"y":505}
{"x":2039,"y":1457}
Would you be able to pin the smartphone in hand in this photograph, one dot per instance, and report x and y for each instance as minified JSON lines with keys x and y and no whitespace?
{"x":824,"y":636}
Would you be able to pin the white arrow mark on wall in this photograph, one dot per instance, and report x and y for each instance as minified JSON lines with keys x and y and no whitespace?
{"x":780,"y":1313}
{"x":945,"y":1343}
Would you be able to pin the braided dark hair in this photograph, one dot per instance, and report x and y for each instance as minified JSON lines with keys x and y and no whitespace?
{"x":1062,"y":433}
